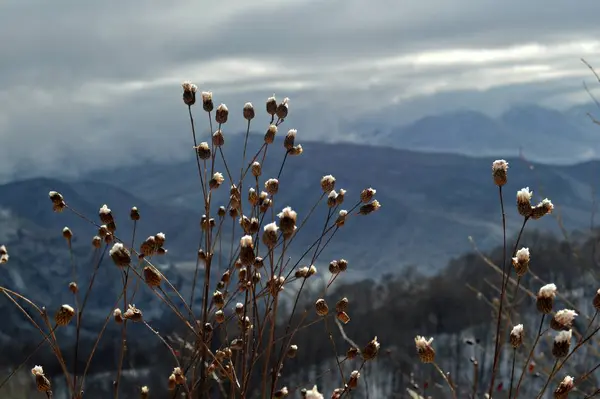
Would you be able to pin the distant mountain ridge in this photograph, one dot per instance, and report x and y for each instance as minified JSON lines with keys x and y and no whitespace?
{"x":543,"y":134}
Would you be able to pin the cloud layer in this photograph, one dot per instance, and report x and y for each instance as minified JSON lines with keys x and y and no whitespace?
{"x":100,"y":81}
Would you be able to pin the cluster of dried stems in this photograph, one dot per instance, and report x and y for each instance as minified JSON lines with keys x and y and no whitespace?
{"x":237,"y":343}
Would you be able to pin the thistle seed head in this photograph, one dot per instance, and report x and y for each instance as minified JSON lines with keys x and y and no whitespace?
{"x":203,"y":150}
{"x":144,"y":392}
{"x":563,"y":320}
{"x":247,"y":250}
{"x":369,"y":208}
{"x":207,"y":101}
{"x":353,"y":380}
{"x":545,"y":298}
{"x":543,"y":208}
{"x":499,"y":172}
{"x":283,"y":109}
{"x":367,"y":195}
{"x":296,"y":150}
{"x":516,"y":336}
{"x":248,"y":111}
{"x":371,"y":350}
{"x":63,"y":315}
{"x":189,"y":93}
{"x":327,"y":183}
{"x":271,"y":105}
{"x":562,"y":343}
{"x":42,"y":383}
{"x":134,"y":214}
{"x":287,"y":222}
{"x":118,"y":316}
{"x":218,"y":139}
{"x":222,"y":114}
{"x":270,"y":134}
{"x":521,"y":261}
{"x":342,"y":305}
{"x":120,"y":255}
{"x":216,"y":180}
{"x":152,"y":276}
{"x":290,"y":139}
{"x":272,"y":186}
{"x":105,"y":214}
{"x":563,"y":389}
{"x":256,"y":169}
{"x":524,"y":202}
{"x":424,"y":349}
{"x":134,"y":314}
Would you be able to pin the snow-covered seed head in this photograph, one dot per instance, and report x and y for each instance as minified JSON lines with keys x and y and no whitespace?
{"x":105,"y":214}
{"x":371,"y":350}
{"x":144,"y":392}
{"x":563,"y":320}
{"x":246,"y":250}
{"x":272,"y":186}
{"x":270,"y":134}
{"x":248,"y":111}
{"x":312,"y":394}
{"x":516,"y":336}
{"x":524,"y":202}
{"x":499,"y":171}
{"x":296,"y":150}
{"x":290,"y":139}
{"x":207,"y":101}
{"x":120,"y":255}
{"x":218,"y":139}
{"x":341,"y":219}
{"x":42,"y":383}
{"x":118,"y":316}
{"x":134,"y":314}
{"x":545,"y":298}
{"x":203,"y":150}
{"x":256,"y":169}
{"x":321,"y":307}
{"x":216,"y":180}
{"x":287,"y":222}
{"x":424,"y":349}
{"x":562,"y":343}
{"x":563,"y":389}
{"x":370,"y":207}
{"x":367,"y":195}
{"x":63,"y":315}
{"x":545,"y":207}
{"x":521,"y":261}
{"x":189,"y":92}
{"x":222,"y":114}
{"x":271,"y":105}
{"x":327,"y":183}
{"x":283,"y":109}
{"x":134,"y":214}
{"x":353,"y":381}
{"x":270,"y":235}
{"x":332,"y":198}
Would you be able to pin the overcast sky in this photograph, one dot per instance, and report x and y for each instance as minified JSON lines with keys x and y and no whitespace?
{"x":100,"y":80}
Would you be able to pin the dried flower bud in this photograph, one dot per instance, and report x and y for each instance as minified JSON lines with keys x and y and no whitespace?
{"x":144,"y":392}
{"x":248,"y":111}
{"x":105,"y":214}
{"x":220,"y":316}
{"x":270,"y":134}
{"x":321,"y":307}
{"x":334,"y":268}
{"x":563,"y":320}
{"x":343,"y":317}
{"x":371,"y":350}
{"x":160,"y":239}
{"x":207,"y":101}
{"x":287,"y":222}
{"x":120,"y":255}
{"x":67,"y":234}
{"x":216,"y":180}
{"x":63,"y":315}
{"x":367,"y":195}
{"x":339,"y":199}
{"x":516,"y":336}
{"x":203,"y":150}
{"x":222,"y":114}
{"x":521,"y":261}
{"x":282,"y":393}
{"x":247,"y":250}
{"x":292,"y":351}
{"x":282,"y":109}
{"x":172,"y":382}
{"x":152,"y":276}
{"x":563,"y":389}
{"x":189,"y":93}
{"x":42,"y":383}
{"x":134,"y":214}
{"x":353,"y":381}
{"x":179,"y":376}
{"x":424,"y":349}
{"x":290,"y":139}
{"x":259,"y":262}
{"x":219,"y":299}
{"x":545,"y":298}
{"x":524,"y":202}
{"x":499,"y":169}
{"x":342,"y":305}
{"x":271,"y":105}
{"x":256,"y":169}
{"x":343,"y":265}
{"x":562,"y":344}
{"x":543,"y":208}
{"x":270,"y":235}
{"x":118,"y":316}
{"x":370,"y":207}
{"x":352,"y":353}
{"x":134,"y":314}
{"x":218,"y":139}
{"x":73,"y":287}
{"x":327,"y":183}
{"x":272,"y":186}
{"x":332,"y":199}
{"x":341,"y":219}
{"x":296,"y":150}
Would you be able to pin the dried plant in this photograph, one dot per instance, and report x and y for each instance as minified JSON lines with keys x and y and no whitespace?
{"x":237,"y":343}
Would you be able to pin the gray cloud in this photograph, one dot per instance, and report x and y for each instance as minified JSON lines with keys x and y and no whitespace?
{"x":99,"y":81}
